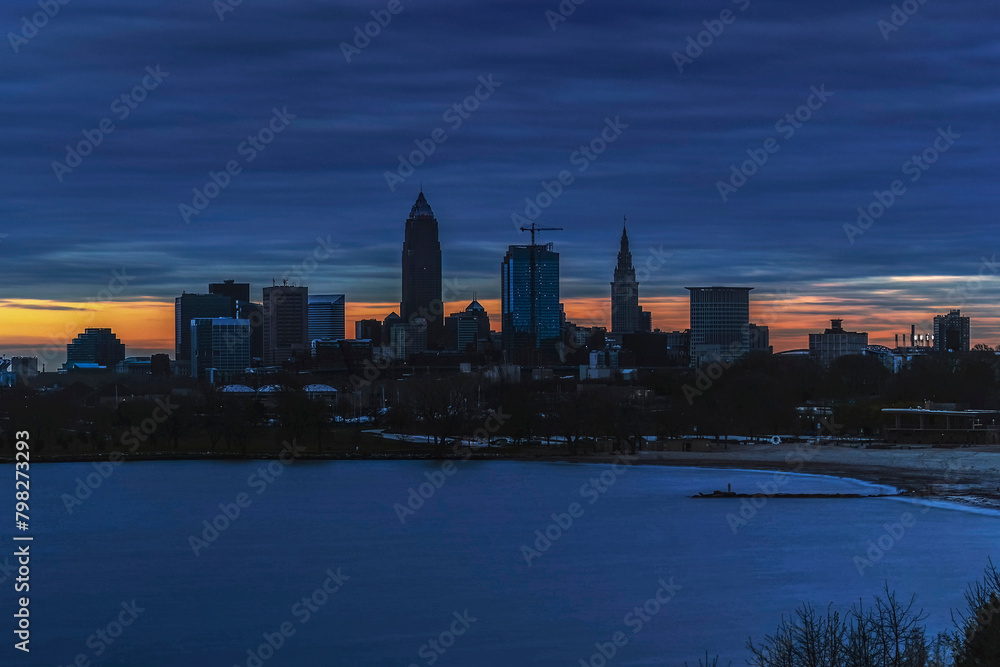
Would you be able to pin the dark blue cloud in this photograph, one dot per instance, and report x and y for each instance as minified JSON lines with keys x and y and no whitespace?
{"x":325,"y":173}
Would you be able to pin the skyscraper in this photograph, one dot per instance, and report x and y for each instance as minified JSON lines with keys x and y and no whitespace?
{"x":421,"y":288}
{"x":951,"y":332}
{"x":720,"y":323}
{"x":253,"y":313}
{"x":326,"y":317}
{"x":190,"y":306}
{"x":626,"y":314}
{"x":234,"y":290}
{"x":95,"y":346}
{"x":517,"y":289}
{"x":286,"y":324}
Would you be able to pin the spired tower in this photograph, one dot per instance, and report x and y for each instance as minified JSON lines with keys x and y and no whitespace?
{"x":422,"y":269}
{"x":626,"y":315}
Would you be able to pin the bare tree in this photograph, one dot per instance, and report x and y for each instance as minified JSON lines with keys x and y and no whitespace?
{"x":886,"y":634}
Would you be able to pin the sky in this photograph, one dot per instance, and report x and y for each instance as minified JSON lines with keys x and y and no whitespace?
{"x":737,"y":137}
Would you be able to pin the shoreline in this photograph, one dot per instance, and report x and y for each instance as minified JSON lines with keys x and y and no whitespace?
{"x":969,"y":476}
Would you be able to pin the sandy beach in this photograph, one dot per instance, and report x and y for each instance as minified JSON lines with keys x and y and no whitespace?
{"x":969,"y":475}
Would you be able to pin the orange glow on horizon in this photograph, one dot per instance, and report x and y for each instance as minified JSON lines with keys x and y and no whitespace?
{"x":148,"y":324}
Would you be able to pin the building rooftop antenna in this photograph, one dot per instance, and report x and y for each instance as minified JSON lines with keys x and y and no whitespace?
{"x":531,"y":278}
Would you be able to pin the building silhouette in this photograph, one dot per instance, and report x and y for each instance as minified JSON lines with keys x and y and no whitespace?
{"x":253,"y":313}
{"x":286,"y":324}
{"x":326,"y":317}
{"x":760,"y":338}
{"x":191,"y":306}
{"x":531,"y":315}
{"x":94,"y":348}
{"x":626,"y":314}
{"x":408,"y":338}
{"x":951,"y":332}
{"x":468,"y":330}
{"x":234,"y":290}
{"x":421,"y":284}
{"x":836,"y":342}
{"x":370,"y":329}
{"x":220,"y":348}
{"x":720,"y":324}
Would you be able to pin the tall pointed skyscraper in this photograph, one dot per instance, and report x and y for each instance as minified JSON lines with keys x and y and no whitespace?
{"x":422,"y":269}
{"x":626,"y":315}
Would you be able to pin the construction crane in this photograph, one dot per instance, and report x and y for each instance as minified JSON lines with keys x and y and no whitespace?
{"x":531,"y":277}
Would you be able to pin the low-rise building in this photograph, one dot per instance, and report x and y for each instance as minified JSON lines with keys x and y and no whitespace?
{"x":836,"y":342}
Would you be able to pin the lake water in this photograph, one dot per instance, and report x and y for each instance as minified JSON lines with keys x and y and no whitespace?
{"x":455,"y":571}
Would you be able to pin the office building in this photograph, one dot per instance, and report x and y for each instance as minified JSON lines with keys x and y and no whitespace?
{"x":25,"y":368}
{"x":254,"y":313}
{"x":531,"y":315}
{"x":421,"y":285}
{"x":626,"y":314}
{"x":836,"y":342}
{"x":720,"y":324}
{"x":951,"y":332}
{"x":760,"y":338}
{"x":234,"y":290}
{"x":370,"y":329}
{"x":326,"y":317}
{"x":468,"y":330}
{"x":408,"y":338}
{"x":94,"y":348}
{"x":191,"y":306}
{"x":220,"y":348}
{"x":286,"y":324}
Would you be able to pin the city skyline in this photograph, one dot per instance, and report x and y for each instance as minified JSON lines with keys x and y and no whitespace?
{"x":587,"y":312}
{"x":847,"y":116}
{"x":758,"y":315}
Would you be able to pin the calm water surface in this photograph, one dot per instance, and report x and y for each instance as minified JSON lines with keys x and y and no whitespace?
{"x":461,"y":555}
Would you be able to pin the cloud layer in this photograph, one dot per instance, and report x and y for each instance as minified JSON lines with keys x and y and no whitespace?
{"x":324,"y":175}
